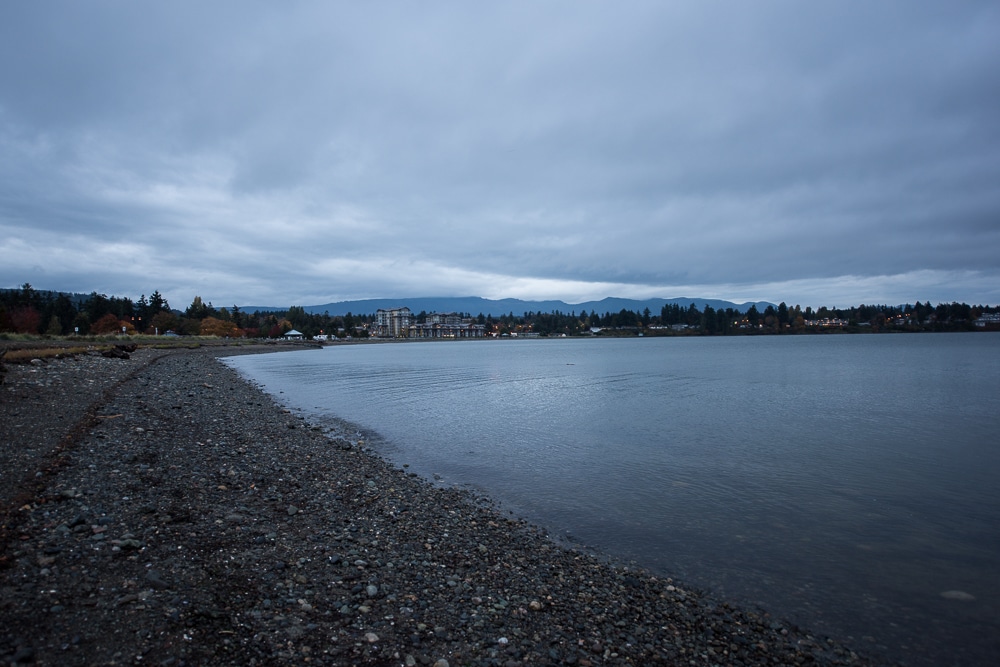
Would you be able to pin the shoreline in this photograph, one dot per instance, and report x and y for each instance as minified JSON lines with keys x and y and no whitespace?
{"x":176,"y":514}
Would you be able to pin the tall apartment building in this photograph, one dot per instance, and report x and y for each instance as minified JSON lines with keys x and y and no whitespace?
{"x":393,"y":323}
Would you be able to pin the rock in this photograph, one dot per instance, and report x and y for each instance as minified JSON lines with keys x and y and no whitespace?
{"x":153,"y":579}
{"x":119,"y":352}
{"x":23,"y":655}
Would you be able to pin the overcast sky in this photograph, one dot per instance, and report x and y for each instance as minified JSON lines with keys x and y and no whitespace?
{"x":279,"y":153}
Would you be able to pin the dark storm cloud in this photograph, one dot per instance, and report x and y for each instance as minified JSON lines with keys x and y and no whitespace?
{"x":829,"y":152}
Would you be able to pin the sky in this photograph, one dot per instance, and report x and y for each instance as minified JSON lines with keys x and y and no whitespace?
{"x":826,"y":153}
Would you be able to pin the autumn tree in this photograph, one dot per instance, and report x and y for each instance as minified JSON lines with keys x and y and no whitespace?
{"x":25,"y":320}
{"x":107,"y":324}
{"x":213,"y":326}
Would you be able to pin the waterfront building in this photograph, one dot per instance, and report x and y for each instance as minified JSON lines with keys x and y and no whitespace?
{"x":393,"y":323}
{"x":464,"y":330}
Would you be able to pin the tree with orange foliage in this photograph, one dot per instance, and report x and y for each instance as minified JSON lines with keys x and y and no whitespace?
{"x":108,"y":324}
{"x":213,"y":326}
{"x":26,"y":320}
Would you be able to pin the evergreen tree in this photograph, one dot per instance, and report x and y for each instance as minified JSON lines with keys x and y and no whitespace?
{"x":157,"y":303}
{"x":54,"y":328}
{"x":198,"y":310}
{"x":709,"y":322}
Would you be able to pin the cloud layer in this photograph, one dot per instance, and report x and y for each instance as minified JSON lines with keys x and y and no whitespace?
{"x":823,"y":153}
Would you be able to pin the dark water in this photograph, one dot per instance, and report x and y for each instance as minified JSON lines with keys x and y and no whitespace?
{"x":841,"y":482}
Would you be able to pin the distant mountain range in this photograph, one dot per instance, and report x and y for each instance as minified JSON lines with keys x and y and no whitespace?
{"x":475,"y":305}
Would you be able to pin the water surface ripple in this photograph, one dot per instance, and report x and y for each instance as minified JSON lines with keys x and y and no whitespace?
{"x":841,"y":482}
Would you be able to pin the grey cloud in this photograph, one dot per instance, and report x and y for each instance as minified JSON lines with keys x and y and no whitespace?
{"x":651,"y":147}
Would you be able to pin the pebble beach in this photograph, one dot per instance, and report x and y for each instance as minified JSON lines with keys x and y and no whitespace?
{"x":162,"y":510}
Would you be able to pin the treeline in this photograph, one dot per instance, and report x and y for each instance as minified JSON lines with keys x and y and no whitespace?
{"x":674,"y":320}
{"x":38,"y":312}
{"x":31,"y":311}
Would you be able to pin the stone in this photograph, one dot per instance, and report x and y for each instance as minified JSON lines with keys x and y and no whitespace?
{"x":23,"y":655}
{"x":154,"y":579}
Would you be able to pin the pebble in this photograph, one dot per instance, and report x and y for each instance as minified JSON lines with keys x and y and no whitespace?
{"x":194,"y":473}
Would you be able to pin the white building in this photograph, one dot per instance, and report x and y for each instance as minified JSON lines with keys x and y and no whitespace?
{"x":393,"y":323}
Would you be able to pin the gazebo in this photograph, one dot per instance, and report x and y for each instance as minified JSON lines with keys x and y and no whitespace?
{"x":294,"y":335}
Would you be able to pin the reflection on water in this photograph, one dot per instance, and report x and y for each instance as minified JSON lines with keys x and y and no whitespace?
{"x":843,"y":482}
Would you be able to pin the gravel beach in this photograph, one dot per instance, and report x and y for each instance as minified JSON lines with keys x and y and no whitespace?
{"x":161,"y":510}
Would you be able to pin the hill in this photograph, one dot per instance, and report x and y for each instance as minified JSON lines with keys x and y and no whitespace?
{"x":475,"y":305}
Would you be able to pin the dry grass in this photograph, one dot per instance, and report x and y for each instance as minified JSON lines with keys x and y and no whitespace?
{"x":24,"y":356}
{"x":22,"y":348}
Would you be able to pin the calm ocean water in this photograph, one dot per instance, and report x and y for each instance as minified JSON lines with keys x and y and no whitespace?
{"x":841,"y":482}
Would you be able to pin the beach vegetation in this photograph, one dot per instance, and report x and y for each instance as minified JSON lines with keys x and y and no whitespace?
{"x":31,"y":312}
{"x":214,"y":326}
{"x":164,"y":321}
{"x":25,"y":355}
{"x":107,"y":324}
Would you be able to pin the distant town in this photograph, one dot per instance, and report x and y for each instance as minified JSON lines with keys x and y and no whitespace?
{"x":29,"y":312}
